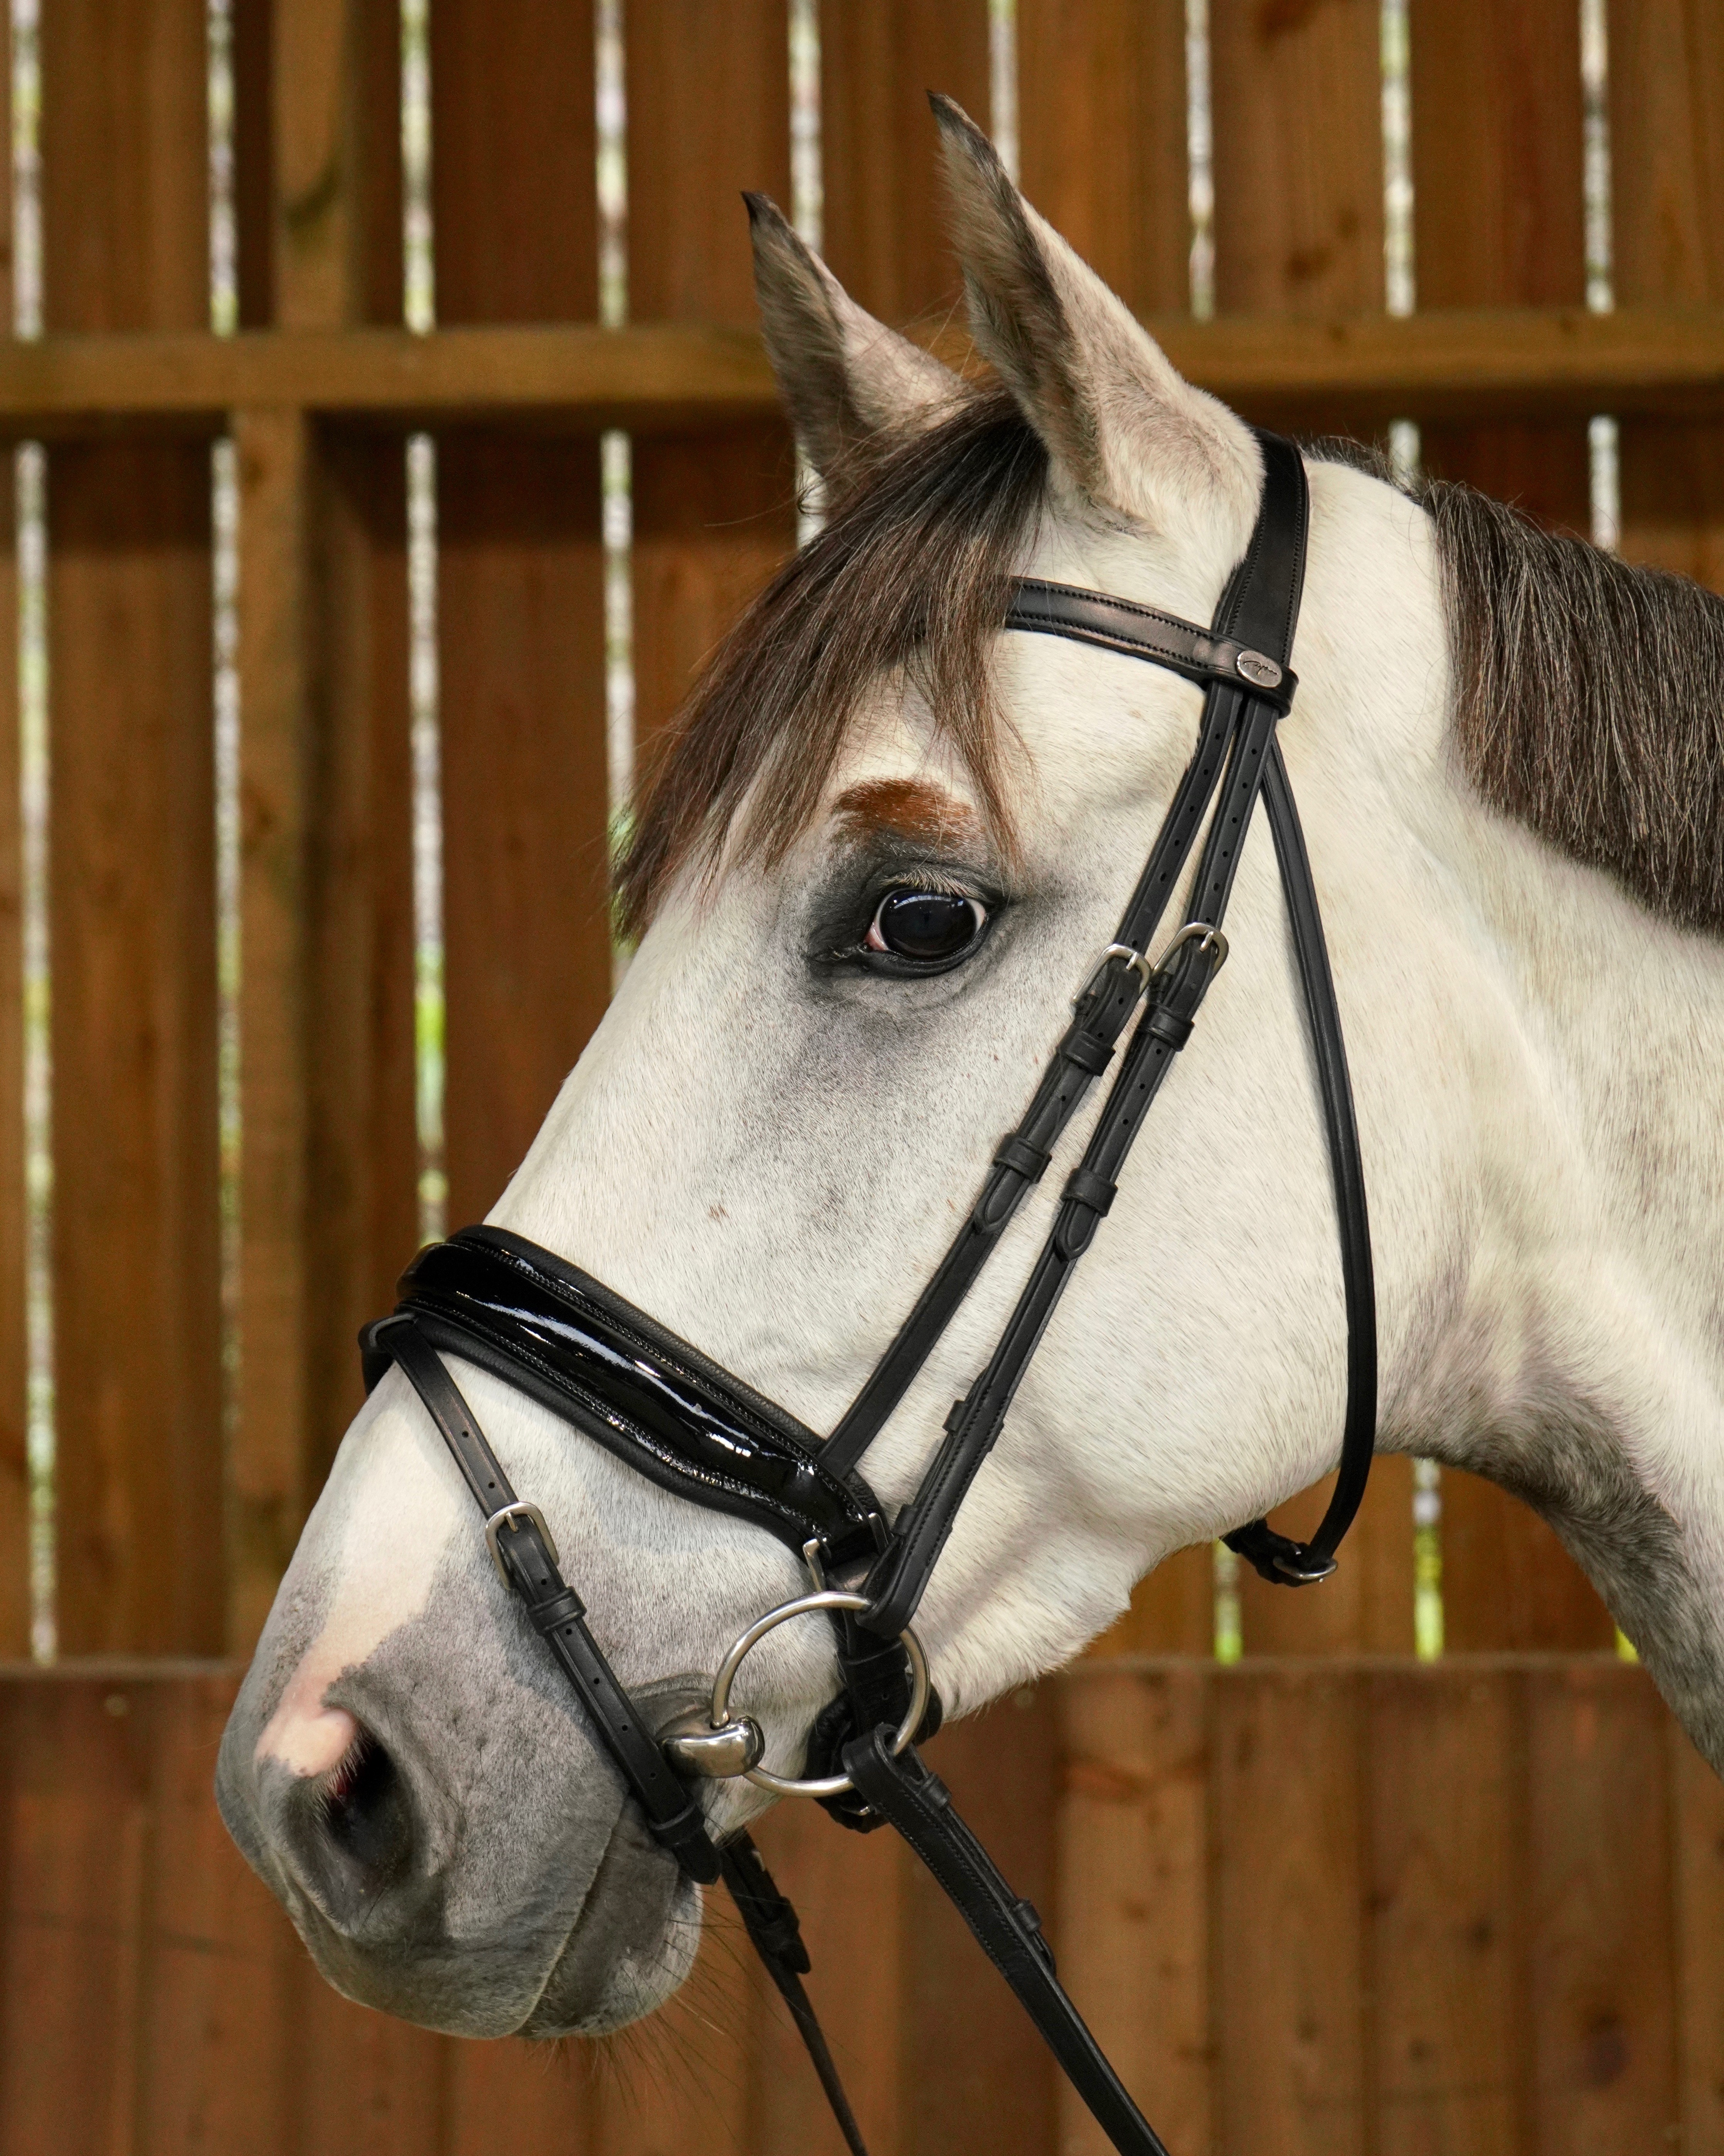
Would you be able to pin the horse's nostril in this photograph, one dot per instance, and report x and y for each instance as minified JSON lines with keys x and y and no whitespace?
{"x":366,"y":1813}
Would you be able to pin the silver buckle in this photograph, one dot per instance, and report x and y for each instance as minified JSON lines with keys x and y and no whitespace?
{"x":1136,"y":960}
{"x":514,"y":1514}
{"x":1199,"y":932}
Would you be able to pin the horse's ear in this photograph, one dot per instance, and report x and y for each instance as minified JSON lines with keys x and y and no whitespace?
{"x":846,"y":378}
{"x":1124,"y":430}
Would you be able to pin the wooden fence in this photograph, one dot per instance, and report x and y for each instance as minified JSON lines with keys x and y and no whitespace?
{"x":1338,"y":1908}
{"x":1346,"y":1906}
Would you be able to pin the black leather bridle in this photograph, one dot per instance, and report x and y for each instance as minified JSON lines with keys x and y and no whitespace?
{"x":553,"y":1332}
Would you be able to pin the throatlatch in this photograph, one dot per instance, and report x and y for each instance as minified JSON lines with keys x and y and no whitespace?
{"x":552,"y":1331}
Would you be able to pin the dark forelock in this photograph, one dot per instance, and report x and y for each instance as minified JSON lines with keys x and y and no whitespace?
{"x":910,"y":576}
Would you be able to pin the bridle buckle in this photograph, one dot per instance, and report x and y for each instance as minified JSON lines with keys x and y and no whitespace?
{"x":1206,"y":938}
{"x":1138,"y":961}
{"x":513,"y":1515}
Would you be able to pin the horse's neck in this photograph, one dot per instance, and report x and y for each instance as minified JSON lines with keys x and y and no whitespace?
{"x":1597,"y":1104}
{"x":1573,"y":1346}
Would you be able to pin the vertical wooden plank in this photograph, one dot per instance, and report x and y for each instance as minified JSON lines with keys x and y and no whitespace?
{"x":708,"y":116}
{"x":14,"y":1472}
{"x":7,"y":290}
{"x":1697,"y":1831}
{"x":334,"y":249}
{"x":1498,"y":212}
{"x":1289,"y":1985}
{"x":271,"y":1451}
{"x":1600,"y":1956}
{"x":253,"y":45}
{"x":521,"y":627}
{"x":139,"y":1470}
{"x":1672,"y":493}
{"x":1447,"y":1764}
{"x":1508,"y":1584}
{"x":1133,"y":1936}
{"x":1296,"y":105}
{"x":125,"y":232}
{"x":14,"y":1479}
{"x":542,"y":2091}
{"x":1496,"y":152}
{"x":1667,"y":155}
{"x":218,"y":2025}
{"x":969,"y":2078}
{"x":886,"y":236}
{"x":76,"y":1844}
{"x":521,"y":601}
{"x":317,"y":186}
{"x":1667,"y":150}
{"x":362,"y":1158}
{"x":373,"y":2086}
{"x":1101,"y":130}
{"x":1364,"y":1607}
{"x":125,"y":247}
{"x":849,"y":1892}
{"x":512,"y":127}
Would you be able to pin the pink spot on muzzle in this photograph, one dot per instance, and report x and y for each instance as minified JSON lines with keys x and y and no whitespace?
{"x":304,"y":1733}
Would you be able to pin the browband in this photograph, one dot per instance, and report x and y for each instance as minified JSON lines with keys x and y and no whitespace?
{"x":1142,"y":632}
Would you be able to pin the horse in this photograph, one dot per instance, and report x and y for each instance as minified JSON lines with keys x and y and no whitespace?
{"x":876,"y":858}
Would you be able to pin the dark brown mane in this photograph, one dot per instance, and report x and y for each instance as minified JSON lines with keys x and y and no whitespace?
{"x":1589,"y":699}
{"x":910,"y":572}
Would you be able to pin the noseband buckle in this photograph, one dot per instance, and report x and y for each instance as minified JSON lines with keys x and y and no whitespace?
{"x":513,"y":1515}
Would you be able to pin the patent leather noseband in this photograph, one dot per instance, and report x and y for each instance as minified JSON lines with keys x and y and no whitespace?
{"x":659,"y":1405}
{"x":529,"y":1317}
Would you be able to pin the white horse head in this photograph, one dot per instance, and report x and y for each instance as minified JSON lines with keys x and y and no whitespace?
{"x":772,"y":1135}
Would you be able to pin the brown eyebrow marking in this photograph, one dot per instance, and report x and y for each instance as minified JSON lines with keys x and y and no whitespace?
{"x":914,"y":809}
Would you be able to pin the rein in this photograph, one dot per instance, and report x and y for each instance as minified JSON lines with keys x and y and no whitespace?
{"x":551,"y":1331}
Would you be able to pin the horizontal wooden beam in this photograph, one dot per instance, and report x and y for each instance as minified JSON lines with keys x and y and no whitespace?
{"x":664,"y":378}
{"x":1525,"y":362}
{"x":657,"y":377}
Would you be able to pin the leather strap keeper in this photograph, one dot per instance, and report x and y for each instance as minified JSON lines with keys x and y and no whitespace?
{"x":1086,"y":1051}
{"x":1087,"y":1188}
{"x":1020,"y":1155}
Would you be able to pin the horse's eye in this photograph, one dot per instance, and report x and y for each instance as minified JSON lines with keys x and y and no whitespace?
{"x":926,"y":925}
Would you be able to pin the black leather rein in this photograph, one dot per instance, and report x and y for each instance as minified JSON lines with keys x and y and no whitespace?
{"x":551,"y":1331}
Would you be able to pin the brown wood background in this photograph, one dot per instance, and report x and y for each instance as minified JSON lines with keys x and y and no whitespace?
{"x":1339,"y":1905}
{"x":1315,"y":1901}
